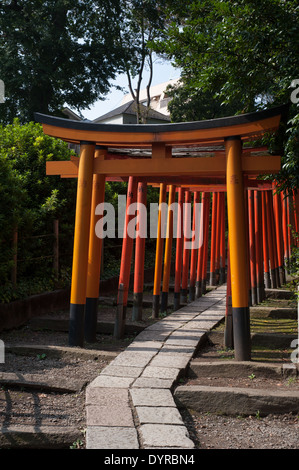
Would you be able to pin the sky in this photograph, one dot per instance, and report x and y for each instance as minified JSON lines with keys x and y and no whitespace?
{"x":163,"y":71}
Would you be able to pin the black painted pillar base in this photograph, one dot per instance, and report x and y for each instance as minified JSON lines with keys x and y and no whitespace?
{"x":273,"y":279}
{"x":184,"y":295}
{"x":76,"y":325}
{"x":191,"y":293}
{"x":176,"y":301}
{"x":267,"y":280}
{"x":164,"y":302}
{"x":241,"y":329}
{"x":213,"y":279}
{"x":254,"y":296}
{"x":260,"y":294}
{"x":137,"y":306}
{"x":120,"y":321}
{"x":282,"y":275}
{"x":156,"y":304}
{"x":249,"y":298}
{"x":278,"y":277}
{"x":228,"y":331}
{"x":222,"y":276}
{"x":198,"y":289}
{"x":91,"y":316}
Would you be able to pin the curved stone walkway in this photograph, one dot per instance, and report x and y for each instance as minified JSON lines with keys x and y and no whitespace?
{"x":130,"y":404}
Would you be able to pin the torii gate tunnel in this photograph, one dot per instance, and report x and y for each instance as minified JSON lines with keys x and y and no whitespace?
{"x":228,"y":166}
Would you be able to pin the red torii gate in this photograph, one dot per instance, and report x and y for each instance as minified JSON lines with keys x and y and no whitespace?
{"x":98,"y":162}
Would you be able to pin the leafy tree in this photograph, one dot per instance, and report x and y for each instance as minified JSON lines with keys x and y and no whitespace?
{"x":57,"y":52}
{"x":193,"y":104}
{"x":30,"y":200}
{"x":243,"y":52}
{"x":143,"y":21}
{"x":12,"y":196}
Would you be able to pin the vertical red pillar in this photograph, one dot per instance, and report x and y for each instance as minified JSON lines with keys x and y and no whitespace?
{"x":213,"y":240}
{"x":252,"y":260}
{"x":247,"y":241}
{"x":279,"y":234}
{"x":94,"y":254}
{"x":201,"y":246}
{"x":159,"y":253}
{"x":228,"y":329}
{"x":290,"y":223}
{"x":270,"y":240}
{"x":285,"y":227}
{"x":126,"y":258}
{"x":265,"y":243}
{"x":186,"y":251}
{"x":179,"y":251}
{"x":206,"y":230}
{"x":139,"y":252}
{"x":274,"y":238}
{"x":222,"y":257}
{"x":194,"y":249}
{"x":260,"y":287}
{"x":218,"y":238}
{"x":296,"y":216}
{"x":168,"y":248}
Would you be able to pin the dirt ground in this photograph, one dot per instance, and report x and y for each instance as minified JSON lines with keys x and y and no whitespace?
{"x":209,"y":431}
{"x":212,"y":431}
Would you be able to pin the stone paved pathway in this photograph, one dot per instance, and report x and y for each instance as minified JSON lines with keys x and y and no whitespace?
{"x":130,"y":404}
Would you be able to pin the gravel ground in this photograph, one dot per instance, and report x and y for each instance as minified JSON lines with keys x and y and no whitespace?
{"x":214,"y":431}
{"x":210,"y":431}
{"x":42,"y":407}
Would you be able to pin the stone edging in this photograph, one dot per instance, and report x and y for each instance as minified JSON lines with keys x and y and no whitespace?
{"x":130,"y":405}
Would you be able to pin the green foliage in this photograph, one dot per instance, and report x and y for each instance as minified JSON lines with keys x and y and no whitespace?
{"x":31,"y":285}
{"x":243,"y":54}
{"x":57,"y":52}
{"x":11,"y":192}
{"x":30,"y":200}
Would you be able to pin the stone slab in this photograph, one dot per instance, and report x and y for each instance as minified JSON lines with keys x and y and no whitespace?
{"x":122,"y":371}
{"x":108,"y":407}
{"x":158,"y":415}
{"x":153,"y":382}
{"x":170,"y":361}
{"x":152,"y":335}
{"x":162,"y":326}
{"x":164,"y":435}
{"x":108,"y":381}
{"x":236,"y":401}
{"x":152,"y":397}
{"x":145,"y":346}
{"x":136,"y":359}
{"x":182,"y":341}
{"x":161,"y":372}
{"x":100,"y":437}
{"x":234,"y":369}
{"x":170,"y":349}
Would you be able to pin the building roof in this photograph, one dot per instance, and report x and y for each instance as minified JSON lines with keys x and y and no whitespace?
{"x":155,"y":90}
{"x":130,"y":108}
